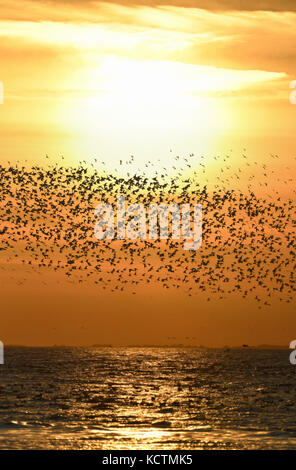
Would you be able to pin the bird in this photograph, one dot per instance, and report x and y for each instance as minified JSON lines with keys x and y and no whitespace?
{"x":248,"y":247}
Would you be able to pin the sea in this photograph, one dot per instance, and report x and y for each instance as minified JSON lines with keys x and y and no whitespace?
{"x":150,"y":398}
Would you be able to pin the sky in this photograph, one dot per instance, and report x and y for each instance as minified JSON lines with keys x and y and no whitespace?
{"x":189,"y":76}
{"x":101,"y":81}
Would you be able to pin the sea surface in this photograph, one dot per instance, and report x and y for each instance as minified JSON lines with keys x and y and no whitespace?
{"x":147,"y":398}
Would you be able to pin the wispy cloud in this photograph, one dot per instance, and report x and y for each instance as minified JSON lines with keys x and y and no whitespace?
{"x":238,"y":40}
{"x":37,"y":10}
{"x":62,"y":44}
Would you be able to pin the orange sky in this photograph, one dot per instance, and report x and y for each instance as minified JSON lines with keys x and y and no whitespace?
{"x":164,"y":76}
{"x":153,"y":79}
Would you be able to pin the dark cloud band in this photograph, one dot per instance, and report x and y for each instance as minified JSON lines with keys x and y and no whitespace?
{"x":213,"y":5}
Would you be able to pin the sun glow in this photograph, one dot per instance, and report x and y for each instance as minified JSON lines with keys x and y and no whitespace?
{"x":149,"y":84}
{"x":107,"y":80}
{"x":152,"y":106}
{"x":145,"y":108}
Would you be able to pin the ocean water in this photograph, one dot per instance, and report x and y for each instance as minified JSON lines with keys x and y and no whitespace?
{"x":147,"y":398}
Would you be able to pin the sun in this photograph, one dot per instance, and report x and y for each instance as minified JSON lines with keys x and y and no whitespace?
{"x":144,"y":108}
{"x":143,"y":83}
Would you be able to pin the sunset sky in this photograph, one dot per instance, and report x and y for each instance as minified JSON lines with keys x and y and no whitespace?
{"x":92,"y":80}
{"x":192,"y":76}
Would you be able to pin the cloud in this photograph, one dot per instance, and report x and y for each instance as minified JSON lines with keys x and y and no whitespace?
{"x":89,"y":10}
{"x":10,"y":9}
{"x":61,"y":44}
{"x":239,"y":40}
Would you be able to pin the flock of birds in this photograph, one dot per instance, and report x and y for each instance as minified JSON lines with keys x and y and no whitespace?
{"x":47,"y":224}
